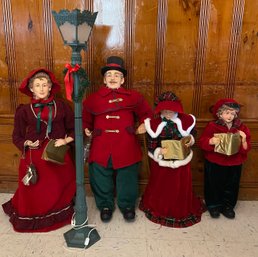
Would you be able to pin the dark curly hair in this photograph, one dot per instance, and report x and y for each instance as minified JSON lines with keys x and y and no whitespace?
{"x":166,"y":96}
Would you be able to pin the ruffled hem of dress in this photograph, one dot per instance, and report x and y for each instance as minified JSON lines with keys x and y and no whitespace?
{"x":48,"y":222}
{"x":188,"y":221}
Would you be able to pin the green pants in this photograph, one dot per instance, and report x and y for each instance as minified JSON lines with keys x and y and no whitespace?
{"x":102,"y":185}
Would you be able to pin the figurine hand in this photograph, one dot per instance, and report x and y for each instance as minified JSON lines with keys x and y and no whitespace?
{"x":60,"y":142}
{"x":32,"y":144}
{"x":189,"y":143}
{"x":214,"y":141}
{"x":87,"y":132}
{"x":242,"y":135}
{"x":163,"y":150}
{"x":141,"y":129}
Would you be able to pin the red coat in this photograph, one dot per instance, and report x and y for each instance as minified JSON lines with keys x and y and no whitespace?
{"x":221,"y":159}
{"x":111,"y":114}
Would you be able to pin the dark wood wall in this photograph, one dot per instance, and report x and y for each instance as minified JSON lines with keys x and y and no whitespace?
{"x":202,"y":50}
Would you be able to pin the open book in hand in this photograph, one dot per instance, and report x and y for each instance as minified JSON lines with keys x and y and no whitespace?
{"x":229,"y":143}
{"x":54,"y":154}
{"x":176,"y":149}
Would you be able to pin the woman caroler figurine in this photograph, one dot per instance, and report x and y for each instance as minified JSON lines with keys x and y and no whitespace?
{"x":168,"y":199}
{"x":44,"y":198}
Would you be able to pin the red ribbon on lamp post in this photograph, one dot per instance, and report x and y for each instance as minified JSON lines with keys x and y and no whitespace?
{"x":69,"y":80}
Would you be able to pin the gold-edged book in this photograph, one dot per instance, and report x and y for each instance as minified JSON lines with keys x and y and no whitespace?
{"x":176,"y":149}
{"x":229,"y":143}
{"x":54,"y":154}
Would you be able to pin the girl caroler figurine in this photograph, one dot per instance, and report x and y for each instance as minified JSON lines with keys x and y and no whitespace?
{"x":222,"y":171}
{"x":168,"y":199}
{"x":44,"y":198}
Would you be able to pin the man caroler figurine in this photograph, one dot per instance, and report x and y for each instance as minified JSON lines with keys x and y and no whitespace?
{"x":109,"y":117}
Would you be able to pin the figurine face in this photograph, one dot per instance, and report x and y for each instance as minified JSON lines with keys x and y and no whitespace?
{"x":40,"y":88}
{"x":113,"y":79}
{"x":228,"y":115}
{"x":168,"y":114}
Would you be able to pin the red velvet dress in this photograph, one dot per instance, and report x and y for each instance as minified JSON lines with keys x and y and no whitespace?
{"x":169,"y":199}
{"x":48,"y":204}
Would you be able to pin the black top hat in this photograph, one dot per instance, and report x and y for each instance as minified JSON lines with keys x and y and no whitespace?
{"x":114,"y":63}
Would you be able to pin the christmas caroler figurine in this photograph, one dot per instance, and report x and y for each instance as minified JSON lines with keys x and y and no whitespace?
{"x":109,"y":116}
{"x":222,"y":170}
{"x":168,"y":199}
{"x":44,"y":198}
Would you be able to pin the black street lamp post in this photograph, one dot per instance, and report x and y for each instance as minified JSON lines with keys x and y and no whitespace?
{"x":75,"y":28}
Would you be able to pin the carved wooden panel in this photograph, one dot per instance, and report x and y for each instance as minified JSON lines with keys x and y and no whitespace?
{"x":202,"y":50}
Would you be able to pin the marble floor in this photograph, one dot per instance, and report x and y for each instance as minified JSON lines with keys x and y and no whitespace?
{"x":209,"y":238}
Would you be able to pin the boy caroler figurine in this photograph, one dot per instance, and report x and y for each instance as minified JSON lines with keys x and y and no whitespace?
{"x":109,"y":116}
{"x":222,"y":171}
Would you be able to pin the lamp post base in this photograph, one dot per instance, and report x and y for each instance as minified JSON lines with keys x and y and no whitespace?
{"x":81,"y":238}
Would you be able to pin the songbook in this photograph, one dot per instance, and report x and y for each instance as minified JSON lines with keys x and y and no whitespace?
{"x":54,"y":154}
{"x":229,"y":143}
{"x":176,"y":149}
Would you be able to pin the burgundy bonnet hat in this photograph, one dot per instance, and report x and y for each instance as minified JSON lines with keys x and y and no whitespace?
{"x":231,"y":103}
{"x":114,"y":63}
{"x":168,"y":101}
{"x":24,"y":87}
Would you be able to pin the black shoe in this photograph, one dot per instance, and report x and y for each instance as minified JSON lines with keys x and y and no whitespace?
{"x":214,"y":212}
{"x":129,"y":214}
{"x":106,"y":214}
{"x":228,"y":212}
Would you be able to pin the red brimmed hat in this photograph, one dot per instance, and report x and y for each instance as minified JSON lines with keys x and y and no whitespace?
{"x":24,"y":87}
{"x":231,"y":103}
{"x":114,"y":63}
{"x":168,"y":101}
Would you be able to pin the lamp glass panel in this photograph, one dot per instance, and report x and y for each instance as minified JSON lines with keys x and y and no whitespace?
{"x":83,"y":32}
{"x":68,"y":32}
